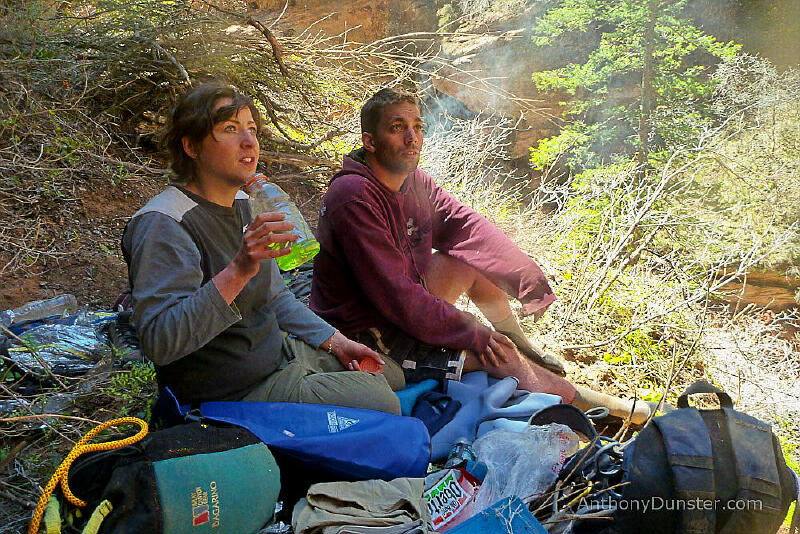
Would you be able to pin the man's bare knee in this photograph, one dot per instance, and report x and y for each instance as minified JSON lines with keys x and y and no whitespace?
{"x":448,"y":278}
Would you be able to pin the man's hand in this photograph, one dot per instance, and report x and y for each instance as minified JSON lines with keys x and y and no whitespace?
{"x":499,"y":351}
{"x":262,"y":232}
{"x":350,"y":352}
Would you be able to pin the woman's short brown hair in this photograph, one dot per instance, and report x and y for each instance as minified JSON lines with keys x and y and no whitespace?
{"x":194,"y":117}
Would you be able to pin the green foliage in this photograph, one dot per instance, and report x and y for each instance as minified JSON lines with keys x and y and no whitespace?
{"x":132,"y":381}
{"x":135,"y":387}
{"x":637,"y":347}
{"x":747,"y":183}
{"x":597,"y":198}
{"x":106,"y":249}
{"x":608,"y":82}
{"x":447,"y":14}
{"x":571,"y":145}
{"x":790,"y":453}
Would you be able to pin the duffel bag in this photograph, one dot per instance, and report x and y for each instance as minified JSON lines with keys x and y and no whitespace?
{"x":338,"y":442}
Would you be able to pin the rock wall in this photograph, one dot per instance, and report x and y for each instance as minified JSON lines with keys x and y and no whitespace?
{"x":362,"y":20}
{"x":499,"y":48}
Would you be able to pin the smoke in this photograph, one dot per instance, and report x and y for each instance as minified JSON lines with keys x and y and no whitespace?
{"x":464,"y":147}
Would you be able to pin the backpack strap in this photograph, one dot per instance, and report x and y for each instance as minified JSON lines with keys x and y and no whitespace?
{"x":701,"y":386}
{"x":690,"y":457}
{"x":760,"y":492}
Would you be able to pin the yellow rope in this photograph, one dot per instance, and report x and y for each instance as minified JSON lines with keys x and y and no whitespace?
{"x":80,"y":448}
{"x":582,"y":494}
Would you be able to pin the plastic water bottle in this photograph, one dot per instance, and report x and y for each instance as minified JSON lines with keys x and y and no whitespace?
{"x":460,"y":454}
{"x":39,"y":309}
{"x":266,"y":196}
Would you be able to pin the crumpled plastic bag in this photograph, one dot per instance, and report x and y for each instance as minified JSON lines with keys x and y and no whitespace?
{"x":67,"y":350}
{"x":522,"y":463}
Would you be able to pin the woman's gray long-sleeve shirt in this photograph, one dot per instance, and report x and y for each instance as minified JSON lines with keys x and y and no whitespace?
{"x":203,"y":348}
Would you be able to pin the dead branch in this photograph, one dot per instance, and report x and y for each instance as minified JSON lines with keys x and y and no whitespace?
{"x":277,"y":50}
{"x":295,"y":159}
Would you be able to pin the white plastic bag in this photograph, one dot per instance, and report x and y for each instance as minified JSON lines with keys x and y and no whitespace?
{"x":522,"y":463}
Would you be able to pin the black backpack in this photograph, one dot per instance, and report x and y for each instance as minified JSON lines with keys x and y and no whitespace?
{"x":700,"y":472}
{"x":190,"y":478}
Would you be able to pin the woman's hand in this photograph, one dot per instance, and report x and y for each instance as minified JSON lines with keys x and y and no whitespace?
{"x":350,"y":352}
{"x":263,"y":231}
{"x":266,"y":229}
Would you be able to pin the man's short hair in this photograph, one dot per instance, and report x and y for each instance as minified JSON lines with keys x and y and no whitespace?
{"x":194,"y":117}
{"x":372,"y":108}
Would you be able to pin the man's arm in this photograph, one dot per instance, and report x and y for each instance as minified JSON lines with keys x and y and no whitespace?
{"x":378,"y":265}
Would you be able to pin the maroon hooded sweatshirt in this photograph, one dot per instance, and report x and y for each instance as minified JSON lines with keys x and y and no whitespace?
{"x":376,"y":244}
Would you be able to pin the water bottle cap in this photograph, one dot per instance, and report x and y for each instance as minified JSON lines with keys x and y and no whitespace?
{"x":369,"y":365}
{"x":257,"y":176}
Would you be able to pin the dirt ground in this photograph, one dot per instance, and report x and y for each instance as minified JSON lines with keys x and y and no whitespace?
{"x":90,"y":263}
{"x":86,"y":236}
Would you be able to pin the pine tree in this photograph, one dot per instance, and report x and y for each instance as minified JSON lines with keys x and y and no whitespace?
{"x":642,"y":85}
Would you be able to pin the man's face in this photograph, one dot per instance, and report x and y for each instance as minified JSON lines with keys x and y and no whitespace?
{"x":397,"y":141}
{"x":230,"y":152}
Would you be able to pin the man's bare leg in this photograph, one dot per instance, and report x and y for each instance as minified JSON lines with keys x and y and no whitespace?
{"x":531,"y":376}
{"x":448,"y":279}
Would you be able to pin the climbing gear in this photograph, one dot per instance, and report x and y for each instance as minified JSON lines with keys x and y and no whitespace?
{"x":83,"y":446}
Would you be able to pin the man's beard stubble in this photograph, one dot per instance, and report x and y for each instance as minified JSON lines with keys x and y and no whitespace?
{"x":396,"y":163}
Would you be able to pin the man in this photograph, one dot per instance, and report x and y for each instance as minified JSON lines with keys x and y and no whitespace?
{"x":210,"y":306}
{"x":377,"y":280}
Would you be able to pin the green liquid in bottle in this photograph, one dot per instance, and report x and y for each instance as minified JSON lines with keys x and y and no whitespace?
{"x":300,"y":254}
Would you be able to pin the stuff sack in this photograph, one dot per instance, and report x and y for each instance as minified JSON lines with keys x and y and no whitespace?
{"x":702,"y":472}
{"x":343,"y":443}
{"x":187,"y":478}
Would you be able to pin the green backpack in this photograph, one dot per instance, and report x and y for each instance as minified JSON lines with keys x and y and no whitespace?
{"x":190,"y":478}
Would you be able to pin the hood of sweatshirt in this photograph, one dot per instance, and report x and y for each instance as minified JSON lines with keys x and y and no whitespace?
{"x":356,"y":163}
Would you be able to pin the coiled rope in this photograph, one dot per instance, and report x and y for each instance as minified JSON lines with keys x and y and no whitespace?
{"x":83,"y":446}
